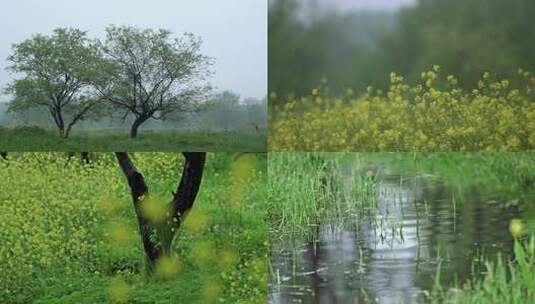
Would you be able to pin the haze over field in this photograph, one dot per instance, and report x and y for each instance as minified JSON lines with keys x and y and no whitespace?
{"x":361,"y":4}
{"x":309,"y":9}
{"x":233,"y":32}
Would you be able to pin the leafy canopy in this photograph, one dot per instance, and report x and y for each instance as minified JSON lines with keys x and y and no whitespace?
{"x":57,"y":71}
{"x":151,"y":75}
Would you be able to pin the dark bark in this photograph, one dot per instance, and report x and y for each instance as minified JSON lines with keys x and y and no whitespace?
{"x":137,"y":123}
{"x":79,"y":116}
{"x":84,"y":156}
{"x":60,"y":123}
{"x":66,"y":131}
{"x":61,"y":131}
{"x":3,"y":154}
{"x":185,"y":195}
{"x":158,"y":237}
{"x":64,"y":128}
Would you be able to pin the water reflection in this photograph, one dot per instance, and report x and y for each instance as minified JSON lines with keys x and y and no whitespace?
{"x":391,"y":254}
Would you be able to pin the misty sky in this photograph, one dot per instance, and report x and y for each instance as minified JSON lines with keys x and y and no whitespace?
{"x":234,"y":31}
{"x":368,"y":4}
{"x":352,"y":5}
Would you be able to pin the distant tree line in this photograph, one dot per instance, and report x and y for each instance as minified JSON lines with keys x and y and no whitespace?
{"x":138,"y":73}
{"x":226,"y":111}
{"x":222,"y":111}
{"x":359,"y":49}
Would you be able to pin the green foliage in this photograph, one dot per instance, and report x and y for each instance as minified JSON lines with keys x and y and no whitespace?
{"x":143,"y":73}
{"x":151,"y":75}
{"x":341,"y":48}
{"x":356,"y":49}
{"x":66,"y":51}
{"x":69,"y":232}
{"x":512,"y":175}
{"x":29,"y":93}
{"x":57,"y":71}
{"x":467,"y":38}
{"x":295,"y":200}
{"x":503,"y":282}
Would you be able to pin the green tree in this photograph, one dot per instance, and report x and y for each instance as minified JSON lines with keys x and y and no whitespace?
{"x":57,"y":72}
{"x":150,"y":75}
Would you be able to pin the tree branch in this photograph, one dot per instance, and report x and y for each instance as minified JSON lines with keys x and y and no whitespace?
{"x":135,"y":180}
{"x":189,"y":185}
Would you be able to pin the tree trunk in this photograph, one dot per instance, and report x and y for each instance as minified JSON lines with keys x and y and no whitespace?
{"x":135,"y":126}
{"x":158,"y":237}
{"x":85,"y":157}
{"x":58,"y":118}
{"x":61,"y":131}
{"x":66,"y":131}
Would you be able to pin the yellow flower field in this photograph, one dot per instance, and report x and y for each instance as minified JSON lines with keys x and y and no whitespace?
{"x":69,"y":231}
{"x":435,"y":115}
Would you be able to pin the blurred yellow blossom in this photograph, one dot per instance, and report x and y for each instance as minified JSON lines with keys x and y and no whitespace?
{"x":423,"y":117}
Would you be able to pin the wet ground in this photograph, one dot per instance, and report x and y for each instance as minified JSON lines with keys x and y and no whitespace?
{"x":393,"y":252}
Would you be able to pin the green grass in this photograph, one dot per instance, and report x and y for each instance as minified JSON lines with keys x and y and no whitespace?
{"x":36,"y":139}
{"x":58,"y":244}
{"x":299,"y":197}
{"x":505,"y":281}
{"x":305,"y":189}
{"x":510,"y":175}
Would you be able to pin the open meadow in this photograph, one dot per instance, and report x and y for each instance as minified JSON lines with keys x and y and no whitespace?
{"x":25,"y":139}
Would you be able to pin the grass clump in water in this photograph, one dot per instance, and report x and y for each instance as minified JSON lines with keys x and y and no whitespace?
{"x":307,"y":189}
{"x":504,"y":281}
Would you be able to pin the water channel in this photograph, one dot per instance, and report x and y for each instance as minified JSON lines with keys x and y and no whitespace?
{"x":393,"y":253}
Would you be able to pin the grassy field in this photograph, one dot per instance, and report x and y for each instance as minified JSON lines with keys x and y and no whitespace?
{"x":69,"y":232}
{"x":25,"y":139}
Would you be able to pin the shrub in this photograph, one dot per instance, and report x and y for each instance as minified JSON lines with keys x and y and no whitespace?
{"x":23,"y":130}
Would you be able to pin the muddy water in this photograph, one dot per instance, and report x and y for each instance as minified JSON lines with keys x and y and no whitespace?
{"x":392,"y":254}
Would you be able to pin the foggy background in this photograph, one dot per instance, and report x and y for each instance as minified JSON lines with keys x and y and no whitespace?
{"x":352,"y":5}
{"x":234,"y":33}
{"x":357,"y":43}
